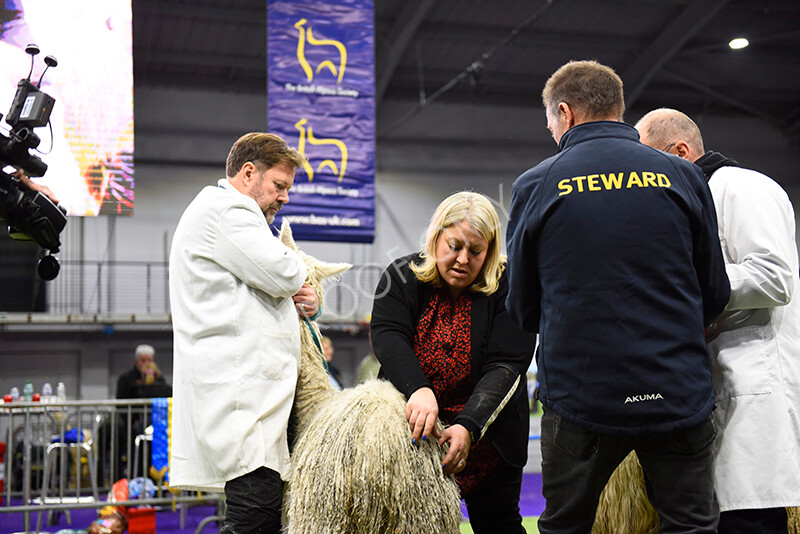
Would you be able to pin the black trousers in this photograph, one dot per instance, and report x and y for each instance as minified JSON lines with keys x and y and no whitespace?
{"x":253,"y":503}
{"x":494,"y":507}
{"x":577,"y":463}
{"x":765,"y":521}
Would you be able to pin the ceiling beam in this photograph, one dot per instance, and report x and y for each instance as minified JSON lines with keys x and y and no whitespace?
{"x":403,"y":31}
{"x":721,"y":97}
{"x":458,"y":33}
{"x":786,"y":41}
{"x":669,"y":42}
{"x":204,"y":60}
{"x":193,"y":10}
{"x":201,"y":81}
{"x":523,"y":81}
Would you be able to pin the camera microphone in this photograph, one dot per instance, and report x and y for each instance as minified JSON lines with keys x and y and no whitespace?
{"x":31,"y":107}
{"x":50,"y":61}
{"x":31,"y":50}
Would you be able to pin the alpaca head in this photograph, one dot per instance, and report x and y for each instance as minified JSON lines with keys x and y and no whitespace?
{"x":317,"y":270}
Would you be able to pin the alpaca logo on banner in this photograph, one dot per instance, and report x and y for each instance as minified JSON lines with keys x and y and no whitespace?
{"x":307,"y":37}
{"x":307,"y":133}
{"x":321,"y":99}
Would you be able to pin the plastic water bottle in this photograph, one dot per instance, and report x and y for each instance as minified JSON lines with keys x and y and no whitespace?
{"x":47,"y":392}
{"x":27,"y":391}
{"x":14,"y":394}
{"x":61,"y":392}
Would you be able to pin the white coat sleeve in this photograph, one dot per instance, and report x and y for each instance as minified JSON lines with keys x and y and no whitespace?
{"x":757,"y":223}
{"x":246,"y":247}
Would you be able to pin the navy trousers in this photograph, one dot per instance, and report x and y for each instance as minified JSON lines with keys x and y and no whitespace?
{"x":577,"y":463}
{"x":764,"y":521}
{"x":253,"y":503}
{"x":494,"y":507}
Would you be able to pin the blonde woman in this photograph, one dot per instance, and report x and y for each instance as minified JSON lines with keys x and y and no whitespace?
{"x":442,"y":335}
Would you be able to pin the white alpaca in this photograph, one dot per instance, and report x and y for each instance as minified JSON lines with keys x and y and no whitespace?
{"x":354,"y":469}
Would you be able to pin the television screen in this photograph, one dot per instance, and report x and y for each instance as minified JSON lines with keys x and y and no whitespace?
{"x":88,"y":145}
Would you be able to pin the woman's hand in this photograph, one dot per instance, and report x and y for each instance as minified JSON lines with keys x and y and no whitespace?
{"x":421,"y":413}
{"x":460,"y":441}
{"x":306,"y":302}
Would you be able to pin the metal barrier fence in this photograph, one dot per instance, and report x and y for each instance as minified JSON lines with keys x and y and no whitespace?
{"x":93,"y":287}
{"x":67,"y":455}
{"x":142,"y":288}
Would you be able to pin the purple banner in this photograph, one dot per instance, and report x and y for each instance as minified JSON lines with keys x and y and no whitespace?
{"x":321,"y":99}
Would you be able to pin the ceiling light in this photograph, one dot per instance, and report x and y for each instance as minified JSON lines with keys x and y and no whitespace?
{"x":738,"y":43}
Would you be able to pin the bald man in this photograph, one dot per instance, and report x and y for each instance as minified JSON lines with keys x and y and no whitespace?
{"x":755,"y":344}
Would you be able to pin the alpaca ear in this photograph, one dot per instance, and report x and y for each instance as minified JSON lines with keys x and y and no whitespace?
{"x":327,"y":270}
{"x":286,"y":236}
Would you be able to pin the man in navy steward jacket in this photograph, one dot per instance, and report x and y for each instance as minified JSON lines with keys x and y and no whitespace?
{"x":614,"y":259}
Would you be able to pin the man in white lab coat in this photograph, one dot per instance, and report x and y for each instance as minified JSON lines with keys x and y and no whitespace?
{"x":235,"y":292}
{"x":755,"y":344}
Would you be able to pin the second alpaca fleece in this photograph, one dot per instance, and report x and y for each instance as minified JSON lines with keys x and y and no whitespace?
{"x":624,"y":506}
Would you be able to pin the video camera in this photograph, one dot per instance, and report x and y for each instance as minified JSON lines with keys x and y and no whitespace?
{"x":30,"y":214}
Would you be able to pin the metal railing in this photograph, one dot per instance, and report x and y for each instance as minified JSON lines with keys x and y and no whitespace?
{"x":93,"y":287}
{"x":136,"y":288}
{"x":45,"y":468}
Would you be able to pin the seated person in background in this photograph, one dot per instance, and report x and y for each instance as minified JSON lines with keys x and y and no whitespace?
{"x":333,"y":373}
{"x":145,"y":379}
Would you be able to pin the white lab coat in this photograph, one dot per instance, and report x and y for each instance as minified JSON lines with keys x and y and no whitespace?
{"x":755,"y":345}
{"x":236,"y":341}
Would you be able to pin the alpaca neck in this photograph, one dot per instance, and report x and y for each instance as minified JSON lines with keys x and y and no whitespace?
{"x":314,"y":388}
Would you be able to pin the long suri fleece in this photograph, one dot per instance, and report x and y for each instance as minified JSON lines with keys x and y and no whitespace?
{"x":624,"y":506}
{"x":355,"y":470}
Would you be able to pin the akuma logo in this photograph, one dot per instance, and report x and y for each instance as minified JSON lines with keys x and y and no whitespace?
{"x":646,"y":397}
